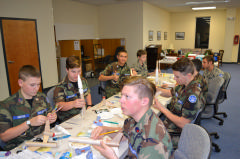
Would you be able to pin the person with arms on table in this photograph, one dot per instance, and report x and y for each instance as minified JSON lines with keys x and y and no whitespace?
{"x":23,"y":115}
{"x":147,"y":136}
{"x":66,"y":93}
{"x":210,"y":71}
{"x":186,"y":99}
{"x":115,"y":73}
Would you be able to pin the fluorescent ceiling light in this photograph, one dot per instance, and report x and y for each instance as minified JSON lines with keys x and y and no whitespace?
{"x":203,"y":8}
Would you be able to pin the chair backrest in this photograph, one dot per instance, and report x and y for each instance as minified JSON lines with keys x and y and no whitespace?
{"x":50,"y":96}
{"x":107,"y":59}
{"x":214,"y":87}
{"x":227,"y":77}
{"x":101,"y":88}
{"x":223,"y":93}
{"x":194,"y":143}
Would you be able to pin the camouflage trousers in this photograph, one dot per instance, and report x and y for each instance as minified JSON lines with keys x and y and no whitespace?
{"x":175,"y":140}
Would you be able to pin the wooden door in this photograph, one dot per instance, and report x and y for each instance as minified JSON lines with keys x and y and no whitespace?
{"x":20,"y":47}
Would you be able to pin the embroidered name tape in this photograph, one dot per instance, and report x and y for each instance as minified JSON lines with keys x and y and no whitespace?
{"x":21,"y":116}
{"x":71,"y":96}
{"x":41,"y":111}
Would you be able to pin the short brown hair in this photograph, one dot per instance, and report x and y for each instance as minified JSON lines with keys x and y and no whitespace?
{"x":143,"y":87}
{"x":209,"y":58}
{"x":184,"y":66}
{"x":125,"y":51}
{"x":73,"y":62}
{"x":28,"y":71}
{"x":141,"y":52}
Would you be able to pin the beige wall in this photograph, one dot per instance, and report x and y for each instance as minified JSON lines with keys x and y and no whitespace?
{"x":74,"y":20}
{"x":42,"y":12}
{"x":186,"y":22}
{"x":232,"y":28}
{"x":155,"y":19}
{"x":123,"y":21}
{"x":236,"y":32}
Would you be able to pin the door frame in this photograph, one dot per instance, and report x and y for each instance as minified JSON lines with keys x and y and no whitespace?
{"x":4,"y":51}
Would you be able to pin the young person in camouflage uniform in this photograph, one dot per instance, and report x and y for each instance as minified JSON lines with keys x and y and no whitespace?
{"x":186,"y":99}
{"x":147,"y":136}
{"x":23,"y":115}
{"x":66,"y":93}
{"x":210,"y":71}
{"x":141,"y":67}
{"x":115,"y":73}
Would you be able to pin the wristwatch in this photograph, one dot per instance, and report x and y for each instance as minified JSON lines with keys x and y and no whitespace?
{"x":28,"y":123}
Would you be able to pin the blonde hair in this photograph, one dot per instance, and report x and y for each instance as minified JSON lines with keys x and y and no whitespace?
{"x":143,"y":87}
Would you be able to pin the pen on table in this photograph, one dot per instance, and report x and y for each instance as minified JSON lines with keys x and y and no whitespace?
{"x":111,"y":122}
{"x":109,"y":132}
{"x":63,"y":137}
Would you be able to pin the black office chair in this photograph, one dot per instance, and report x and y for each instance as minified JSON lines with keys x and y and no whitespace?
{"x":50,"y":94}
{"x":222,"y":97}
{"x":101,"y":88}
{"x":214,"y":88}
{"x":221,"y":52}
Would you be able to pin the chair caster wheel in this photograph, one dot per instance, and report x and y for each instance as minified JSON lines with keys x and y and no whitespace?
{"x":217,"y":149}
{"x":216,"y":136}
{"x":220,"y":123}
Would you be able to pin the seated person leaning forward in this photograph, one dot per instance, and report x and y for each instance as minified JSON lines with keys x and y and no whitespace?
{"x":115,"y":73}
{"x":23,"y":115}
{"x":66,"y":93}
{"x":186,"y":99}
{"x":147,"y":136}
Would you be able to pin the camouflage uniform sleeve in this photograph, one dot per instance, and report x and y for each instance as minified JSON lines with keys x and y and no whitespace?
{"x":107,"y":71}
{"x":191,"y":106}
{"x":152,"y":152}
{"x":5,"y":118}
{"x":59,"y":95}
{"x":86,"y":89}
{"x":134,"y":66}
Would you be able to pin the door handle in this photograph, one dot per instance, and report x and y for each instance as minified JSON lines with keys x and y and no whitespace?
{"x":11,"y":61}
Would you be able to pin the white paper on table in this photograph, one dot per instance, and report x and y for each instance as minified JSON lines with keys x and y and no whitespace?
{"x":105,"y":115}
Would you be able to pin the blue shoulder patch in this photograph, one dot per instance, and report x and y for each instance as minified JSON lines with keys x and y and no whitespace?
{"x":221,"y":75}
{"x":192,"y":99}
